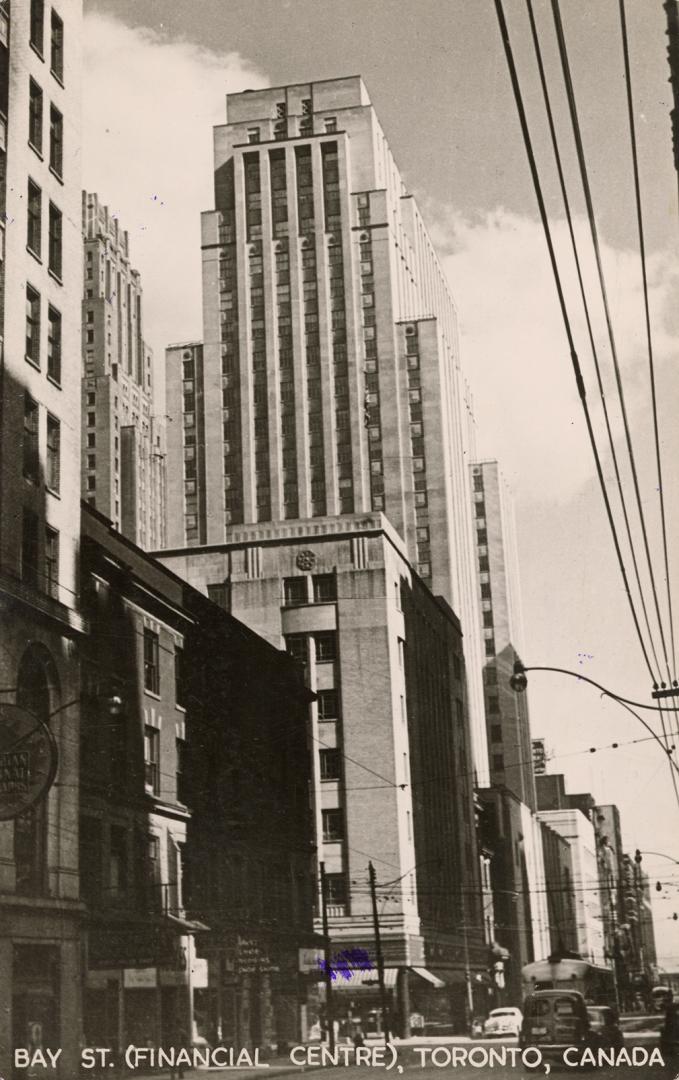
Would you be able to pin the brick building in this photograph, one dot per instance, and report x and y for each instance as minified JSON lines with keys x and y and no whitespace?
{"x":195,"y":914}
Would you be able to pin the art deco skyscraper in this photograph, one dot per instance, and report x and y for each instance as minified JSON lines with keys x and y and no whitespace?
{"x":329,"y":376}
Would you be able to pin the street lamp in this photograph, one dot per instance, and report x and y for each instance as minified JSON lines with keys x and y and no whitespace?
{"x":519,"y":682}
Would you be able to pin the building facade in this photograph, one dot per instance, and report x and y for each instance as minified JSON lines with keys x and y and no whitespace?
{"x":193,"y":758}
{"x":393,"y":770}
{"x":330,"y":372}
{"x":123,"y":422}
{"x":510,"y":748}
{"x":577,"y":829}
{"x":40,"y":626}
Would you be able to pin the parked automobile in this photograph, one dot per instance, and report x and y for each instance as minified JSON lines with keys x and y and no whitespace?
{"x":553,"y":1020}
{"x":604,"y":1023}
{"x":669,"y":1036}
{"x":505,"y":1021}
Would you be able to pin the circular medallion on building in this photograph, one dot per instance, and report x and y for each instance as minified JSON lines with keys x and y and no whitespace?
{"x":306,"y":560}
{"x":28,"y":760}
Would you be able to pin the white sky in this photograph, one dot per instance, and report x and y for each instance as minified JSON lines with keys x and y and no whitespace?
{"x":155,"y":82}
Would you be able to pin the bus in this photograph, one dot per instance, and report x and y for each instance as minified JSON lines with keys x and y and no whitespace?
{"x":595,"y":983}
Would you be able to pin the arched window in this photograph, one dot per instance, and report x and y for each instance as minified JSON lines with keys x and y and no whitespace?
{"x":37,"y":689}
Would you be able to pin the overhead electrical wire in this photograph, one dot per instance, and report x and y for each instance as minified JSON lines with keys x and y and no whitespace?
{"x":590,"y":332}
{"x":649,"y":338}
{"x":577,"y":135}
{"x":518,"y":97}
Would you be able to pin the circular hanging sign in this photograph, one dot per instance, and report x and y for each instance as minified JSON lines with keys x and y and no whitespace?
{"x":28,"y":760}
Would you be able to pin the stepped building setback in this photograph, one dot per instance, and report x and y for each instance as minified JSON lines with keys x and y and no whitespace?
{"x":318,"y":453}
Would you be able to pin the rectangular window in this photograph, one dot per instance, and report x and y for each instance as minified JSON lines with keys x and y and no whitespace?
{"x":327,"y":705}
{"x":325,"y":588}
{"x":57,"y":47}
{"x":336,"y":888}
{"x":52,"y":562}
{"x":34,"y":229}
{"x":488,"y":618}
{"x":496,"y":733}
{"x":152,"y":759}
{"x":179,"y":677}
{"x":32,"y":325}
{"x":326,"y":646}
{"x":117,"y":874}
{"x":55,"y":232}
{"x":56,"y":141}
{"x":296,"y":646}
{"x":53,"y":476}
{"x":331,"y":764}
{"x":31,"y":453}
{"x":54,"y":344}
{"x":151,"y":668}
{"x":295,"y":590}
{"x":498,"y":763}
{"x":29,"y":548}
{"x":35,"y":116}
{"x":37,"y":24}
{"x":333,"y":826}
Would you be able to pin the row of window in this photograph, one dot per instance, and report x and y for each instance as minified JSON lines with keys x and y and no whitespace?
{"x":34,"y":229}
{"x":31,"y":446}
{"x":37,"y":37}
{"x":33,"y":334}
{"x":151,"y":661}
{"x":42,"y":574}
{"x":306,"y":589}
{"x":281,"y":127}
{"x":35,"y":128}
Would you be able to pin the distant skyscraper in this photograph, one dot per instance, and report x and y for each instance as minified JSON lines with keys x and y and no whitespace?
{"x":123,"y":457}
{"x":507,"y":720}
{"x":329,"y":373}
{"x":539,"y":757}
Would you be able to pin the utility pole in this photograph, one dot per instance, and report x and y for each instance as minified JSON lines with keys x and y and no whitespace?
{"x":329,"y":1011}
{"x":378,"y":954}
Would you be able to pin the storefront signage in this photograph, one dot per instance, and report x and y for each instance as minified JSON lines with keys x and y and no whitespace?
{"x":28,"y":761}
{"x":251,"y":958}
{"x":309,"y":960}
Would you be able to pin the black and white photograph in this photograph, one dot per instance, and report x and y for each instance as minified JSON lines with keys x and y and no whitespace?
{"x":339,"y":539}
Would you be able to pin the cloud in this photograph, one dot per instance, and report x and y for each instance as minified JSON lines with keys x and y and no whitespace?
{"x":515,"y":350}
{"x":149,"y":107}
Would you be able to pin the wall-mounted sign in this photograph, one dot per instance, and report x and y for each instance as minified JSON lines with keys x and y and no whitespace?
{"x":140,"y":978}
{"x":28,"y":760}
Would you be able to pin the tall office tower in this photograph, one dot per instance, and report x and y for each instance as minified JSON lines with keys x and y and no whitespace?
{"x":507,"y":719}
{"x":123,"y":424}
{"x":331,"y":377}
{"x":320,"y":492}
{"x":40,"y":293}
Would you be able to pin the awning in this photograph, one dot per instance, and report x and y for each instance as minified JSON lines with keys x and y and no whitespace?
{"x":189,"y":926}
{"x":431,"y":978}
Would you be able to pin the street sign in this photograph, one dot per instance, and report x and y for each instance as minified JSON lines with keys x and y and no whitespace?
{"x":28,"y":760}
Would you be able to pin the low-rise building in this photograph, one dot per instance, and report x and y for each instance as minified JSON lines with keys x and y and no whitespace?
{"x":195,"y":825}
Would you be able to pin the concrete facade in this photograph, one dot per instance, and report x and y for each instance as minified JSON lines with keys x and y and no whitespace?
{"x":40,"y":627}
{"x":384,"y":658}
{"x":331,"y":376}
{"x":575,"y":827}
{"x":123,"y":423}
